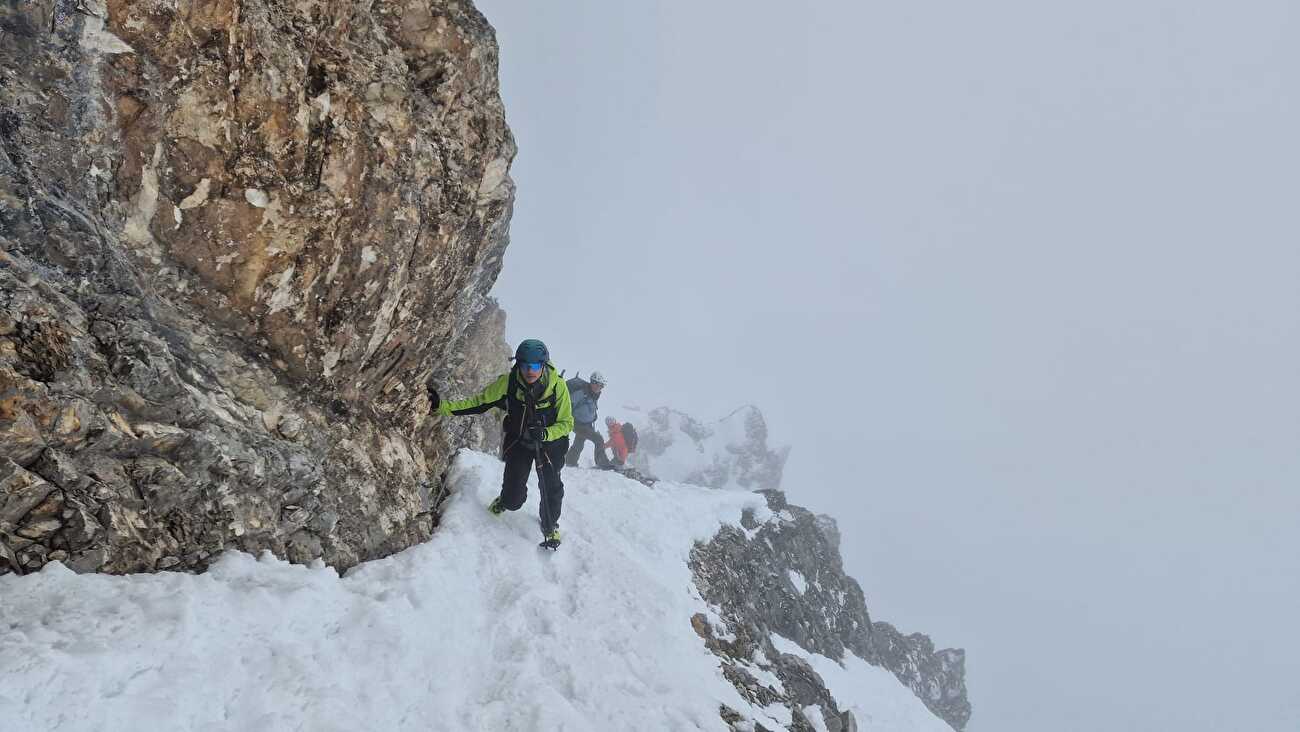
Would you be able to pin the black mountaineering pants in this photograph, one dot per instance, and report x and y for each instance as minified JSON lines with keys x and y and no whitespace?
{"x":582,"y":433}
{"x":549,"y":462}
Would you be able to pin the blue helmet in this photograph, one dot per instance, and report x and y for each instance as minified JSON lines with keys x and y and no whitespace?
{"x":532,"y":351}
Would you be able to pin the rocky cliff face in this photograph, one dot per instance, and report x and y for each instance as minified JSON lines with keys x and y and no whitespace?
{"x":238,"y":236}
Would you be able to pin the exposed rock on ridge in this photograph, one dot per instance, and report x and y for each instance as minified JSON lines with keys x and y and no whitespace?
{"x":237,"y":238}
{"x":785,"y":576}
{"x":729,"y":453}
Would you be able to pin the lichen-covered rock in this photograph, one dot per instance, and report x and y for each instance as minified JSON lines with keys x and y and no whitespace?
{"x":238,"y":238}
{"x":786,"y":576}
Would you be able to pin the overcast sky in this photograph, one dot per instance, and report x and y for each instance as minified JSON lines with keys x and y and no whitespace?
{"x":1019,"y":281}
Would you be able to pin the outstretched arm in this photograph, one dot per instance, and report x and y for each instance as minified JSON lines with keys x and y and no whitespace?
{"x":493,"y":396}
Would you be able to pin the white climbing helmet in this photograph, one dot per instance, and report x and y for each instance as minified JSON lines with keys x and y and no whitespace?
{"x":597,"y":378}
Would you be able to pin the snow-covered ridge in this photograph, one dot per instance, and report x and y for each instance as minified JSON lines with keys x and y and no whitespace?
{"x":475,"y":629}
{"x":785,"y":576}
{"x":731,"y":453}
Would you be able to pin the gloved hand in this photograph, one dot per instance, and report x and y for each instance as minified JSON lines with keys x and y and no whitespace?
{"x":537,"y":434}
{"x":532,"y":437}
{"x":434,"y":401}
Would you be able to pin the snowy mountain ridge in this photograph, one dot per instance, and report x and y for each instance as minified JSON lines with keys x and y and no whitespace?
{"x":784,"y":577}
{"x":474,"y":629}
{"x":730,"y":453}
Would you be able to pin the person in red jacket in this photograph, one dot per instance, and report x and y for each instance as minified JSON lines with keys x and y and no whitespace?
{"x":617,"y":442}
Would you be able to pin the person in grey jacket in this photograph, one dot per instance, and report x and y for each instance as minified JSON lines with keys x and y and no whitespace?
{"x":585,"y":395}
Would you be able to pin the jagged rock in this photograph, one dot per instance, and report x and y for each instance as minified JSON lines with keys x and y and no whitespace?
{"x":81,"y":529}
{"x":303,"y":547}
{"x":21,"y":493}
{"x":786,"y":576}
{"x":39,"y":529}
{"x":237,"y":238}
{"x":830,"y":529}
{"x":33,"y":557}
{"x":290,"y":426}
{"x":91,"y":560}
{"x":729,"y":715}
{"x":730,"y":453}
{"x":929,"y":673}
{"x":700,"y":625}
{"x":59,"y":469}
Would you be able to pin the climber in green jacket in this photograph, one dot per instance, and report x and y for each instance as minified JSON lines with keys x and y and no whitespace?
{"x":539,"y":418}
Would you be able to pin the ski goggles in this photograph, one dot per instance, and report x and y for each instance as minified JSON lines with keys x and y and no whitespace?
{"x":531,"y":365}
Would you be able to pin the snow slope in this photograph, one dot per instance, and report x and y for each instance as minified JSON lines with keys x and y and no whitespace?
{"x":476,"y":629}
{"x":868,"y":691}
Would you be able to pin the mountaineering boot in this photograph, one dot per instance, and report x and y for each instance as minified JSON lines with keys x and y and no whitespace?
{"x":495,"y":506}
{"x":552,"y":540}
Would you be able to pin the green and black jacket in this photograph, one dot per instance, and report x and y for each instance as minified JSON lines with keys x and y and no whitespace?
{"x":546,"y":401}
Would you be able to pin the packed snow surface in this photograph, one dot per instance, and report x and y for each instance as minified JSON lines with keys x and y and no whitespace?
{"x":477,"y":629}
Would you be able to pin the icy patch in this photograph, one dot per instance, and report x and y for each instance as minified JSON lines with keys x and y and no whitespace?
{"x":796,"y":579}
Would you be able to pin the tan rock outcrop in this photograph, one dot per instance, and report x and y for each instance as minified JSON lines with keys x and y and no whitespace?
{"x":238,"y":238}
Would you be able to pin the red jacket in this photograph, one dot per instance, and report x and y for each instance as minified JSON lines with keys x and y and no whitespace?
{"x":616,"y":443}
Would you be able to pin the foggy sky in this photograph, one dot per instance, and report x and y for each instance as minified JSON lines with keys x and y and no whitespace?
{"x":1017,"y":280}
